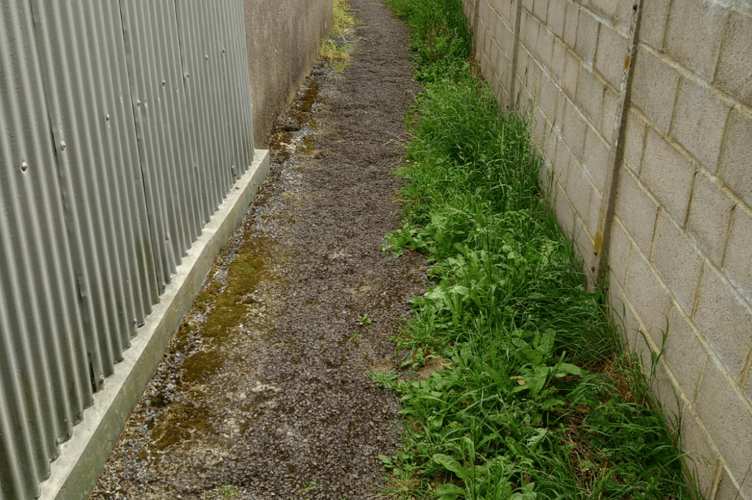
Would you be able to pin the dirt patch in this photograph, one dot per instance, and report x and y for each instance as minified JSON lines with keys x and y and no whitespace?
{"x":264,"y":392}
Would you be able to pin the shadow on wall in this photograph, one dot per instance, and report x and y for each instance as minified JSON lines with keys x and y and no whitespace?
{"x":283,"y":39}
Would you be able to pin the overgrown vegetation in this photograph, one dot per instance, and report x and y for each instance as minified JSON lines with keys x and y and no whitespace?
{"x":336,"y":49}
{"x":536,"y":398}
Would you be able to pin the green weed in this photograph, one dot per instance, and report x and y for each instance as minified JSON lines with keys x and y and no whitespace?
{"x":225,"y":492}
{"x":365,"y":320}
{"x":336,"y":50}
{"x":440,"y":35}
{"x":539,"y":401}
{"x":310,"y":486}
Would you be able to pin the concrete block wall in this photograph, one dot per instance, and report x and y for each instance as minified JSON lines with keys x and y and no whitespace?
{"x":643,"y":111}
{"x":283,"y":39}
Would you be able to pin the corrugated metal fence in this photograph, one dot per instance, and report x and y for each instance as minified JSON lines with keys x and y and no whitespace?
{"x":123,"y":124}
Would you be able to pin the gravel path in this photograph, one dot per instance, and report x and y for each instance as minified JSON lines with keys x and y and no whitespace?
{"x":264,"y":392}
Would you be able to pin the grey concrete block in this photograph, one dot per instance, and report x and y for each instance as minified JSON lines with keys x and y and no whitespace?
{"x":702,"y":458}
{"x":613,"y":48}
{"x":500,"y":30}
{"x":654,"y":88}
{"x":564,"y":212}
{"x":504,"y":98}
{"x":584,"y":246}
{"x":748,"y":385}
{"x":637,"y":210}
{"x":556,"y":15}
{"x":709,"y":216}
{"x":607,"y":121}
{"x":496,"y":58}
{"x":508,"y":42}
{"x":579,"y":189}
{"x":526,"y":99}
{"x":545,"y":47}
{"x":571,"y":74}
{"x":618,"y":252}
{"x":605,"y":8}
{"x":484,"y":11}
{"x":736,"y":157}
{"x":529,"y":32}
{"x":730,"y":489}
{"x":485,"y":67}
{"x":571,"y":23}
{"x":561,"y":162}
{"x":596,"y":158}
{"x":559,"y":118}
{"x":539,"y":127}
{"x":684,"y":353}
{"x":700,"y":122}
{"x":503,"y":71}
{"x":735,"y":66}
{"x":725,"y":321}
{"x":574,"y":129}
{"x":668,"y":175}
{"x":738,"y":260}
{"x":488,"y":35}
{"x":727,"y":418}
{"x":548,"y":97}
{"x":535,"y":75}
{"x":552,"y":142}
{"x":623,"y":315}
{"x":557,"y":60}
{"x":668,"y":396}
{"x":506,"y":9}
{"x":594,"y":216}
{"x":654,"y":20}
{"x":587,"y":36}
{"x":589,"y":95}
{"x":493,"y":28}
{"x":677,"y":261}
{"x":540,"y":9}
{"x":650,"y":301}
{"x":694,"y":34}
{"x":634,"y":142}
{"x":618,"y":12}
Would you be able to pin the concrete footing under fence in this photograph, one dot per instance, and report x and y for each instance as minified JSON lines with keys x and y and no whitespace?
{"x":82,"y":457}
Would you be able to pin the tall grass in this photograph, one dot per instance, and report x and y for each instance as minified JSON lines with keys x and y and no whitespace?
{"x":537,"y":399}
{"x":440,"y":36}
{"x":336,"y":49}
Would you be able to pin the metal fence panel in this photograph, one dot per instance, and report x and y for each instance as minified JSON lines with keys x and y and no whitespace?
{"x":44,"y":375}
{"x":123,"y":124}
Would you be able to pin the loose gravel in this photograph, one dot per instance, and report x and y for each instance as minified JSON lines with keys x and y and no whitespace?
{"x":264,"y":392}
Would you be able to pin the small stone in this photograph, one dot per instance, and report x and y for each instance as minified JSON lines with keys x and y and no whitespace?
{"x":289,"y":124}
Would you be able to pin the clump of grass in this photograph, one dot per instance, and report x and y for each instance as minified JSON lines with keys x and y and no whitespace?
{"x":539,"y":400}
{"x":344,"y":20}
{"x":336,"y":49}
{"x":440,"y":35}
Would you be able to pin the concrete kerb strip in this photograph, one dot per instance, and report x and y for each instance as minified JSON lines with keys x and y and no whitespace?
{"x":82,"y":458}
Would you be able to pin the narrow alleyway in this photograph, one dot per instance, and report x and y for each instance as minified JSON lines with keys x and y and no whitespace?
{"x":264,"y":393}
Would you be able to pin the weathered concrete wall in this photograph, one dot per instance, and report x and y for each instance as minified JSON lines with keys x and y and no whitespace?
{"x":643,"y":109}
{"x":283,"y":39}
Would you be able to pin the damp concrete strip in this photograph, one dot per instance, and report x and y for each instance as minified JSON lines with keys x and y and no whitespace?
{"x":81,"y":459}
